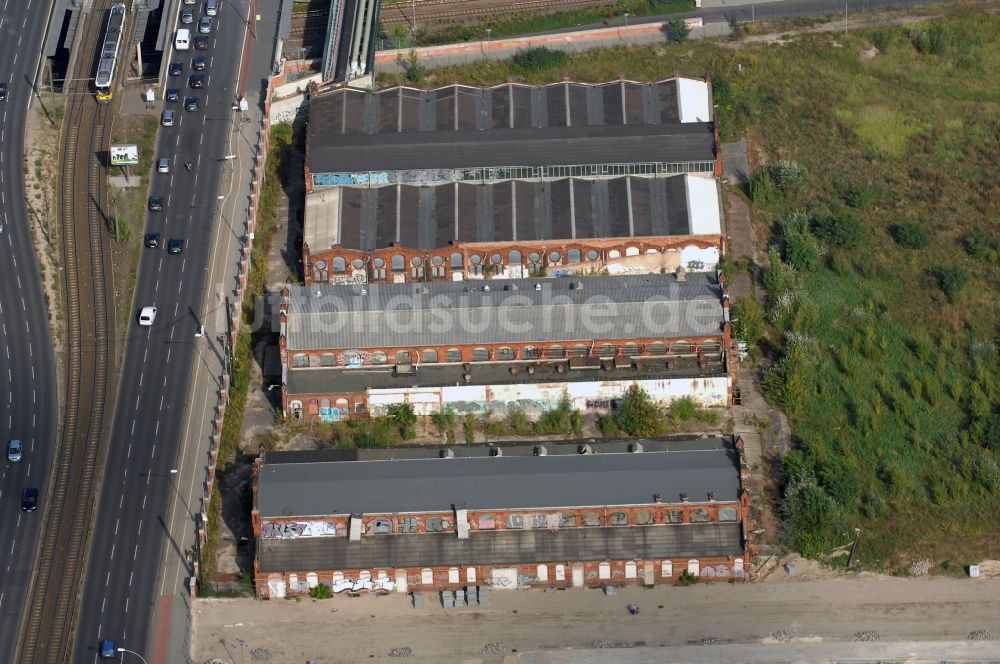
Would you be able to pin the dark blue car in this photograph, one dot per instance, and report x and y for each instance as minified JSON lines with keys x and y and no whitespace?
{"x":107,"y":649}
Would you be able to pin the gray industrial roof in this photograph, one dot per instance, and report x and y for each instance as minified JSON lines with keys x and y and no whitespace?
{"x":570,"y":146}
{"x":431,"y":216}
{"x":502,"y":482}
{"x":509,"y":447}
{"x":324,"y":380}
{"x":689,"y":540}
{"x":509,"y":125}
{"x":502,"y":311}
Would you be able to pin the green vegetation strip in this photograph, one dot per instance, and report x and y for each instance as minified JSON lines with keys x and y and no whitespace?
{"x":876,"y":155}
{"x":524,"y":23}
{"x":232,"y":426}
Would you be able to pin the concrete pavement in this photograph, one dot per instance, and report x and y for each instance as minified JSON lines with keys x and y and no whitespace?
{"x":170,"y":640}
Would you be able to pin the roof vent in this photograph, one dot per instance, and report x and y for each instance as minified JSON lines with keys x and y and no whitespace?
{"x":684,"y":497}
{"x":539,"y":450}
{"x":319,"y":293}
{"x":531,"y":370}
{"x":560,"y":368}
{"x":576,"y":285}
{"x":657,"y":498}
{"x":447,"y":453}
{"x":711,"y":496}
{"x":513,"y":370}
{"x":538,"y":287}
{"x":363,"y":291}
{"x":486,"y":288}
{"x":467,"y":378}
{"x":681,"y":274}
{"x":496,"y":452}
{"x":584,"y":449}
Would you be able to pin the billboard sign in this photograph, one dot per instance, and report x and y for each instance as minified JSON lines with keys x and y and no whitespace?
{"x":124,"y":155}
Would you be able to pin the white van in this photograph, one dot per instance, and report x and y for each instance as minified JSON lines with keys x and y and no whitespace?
{"x":183,"y":40}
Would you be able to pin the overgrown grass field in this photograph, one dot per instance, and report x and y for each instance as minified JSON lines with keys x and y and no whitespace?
{"x":881,"y":320}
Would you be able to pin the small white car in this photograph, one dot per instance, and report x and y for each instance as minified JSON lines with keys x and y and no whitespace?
{"x":162,"y":165}
{"x":147,"y":316}
{"x":14,"y":451}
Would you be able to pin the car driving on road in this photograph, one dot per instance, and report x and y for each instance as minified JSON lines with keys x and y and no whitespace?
{"x":3,"y":92}
{"x":176,"y":68}
{"x":29,"y":499}
{"x":196,"y":81}
{"x":199,"y":63}
{"x":14,"y":451}
{"x":152,"y":240}
{"x":187,"y":16}
{"x":173,"y":95}
{"x":146,"y":316}
{"x":167,"y":119}
{"x":162,"y":165}
{"x":205,"y":25}
{"x":155,"y":203}
{"x":191,"y":104}
{"x":201,"y":42}
{"x":175,"y":245}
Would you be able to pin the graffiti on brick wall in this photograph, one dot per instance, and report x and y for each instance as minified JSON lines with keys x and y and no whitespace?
{"x":299,"y":529}
{"x":334,"y":414}
{"x":349,"y":279}
{"x":357,"y":358}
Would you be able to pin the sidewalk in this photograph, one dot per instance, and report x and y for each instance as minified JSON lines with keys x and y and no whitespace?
{"x":170,"y":636}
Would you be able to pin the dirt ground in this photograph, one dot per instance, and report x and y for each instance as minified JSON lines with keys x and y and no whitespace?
{"x":807,"y":606}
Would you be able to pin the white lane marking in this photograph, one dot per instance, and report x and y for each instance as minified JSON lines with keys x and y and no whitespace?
{"x":116,"y":530}
{"x":107,"y":580}
{"x":157,"y":432}
{"x":168,"y":355}
{"x":144,"y":354}
{"x":112,"y":551}
{"x":128,"y":454}
{"x":132,"y":433}
{"x":140,"y":379}
{"x":103,"y":602}
{"x":135,"y":552}
{"x":130,"y":578}
{"x":140,"y":520}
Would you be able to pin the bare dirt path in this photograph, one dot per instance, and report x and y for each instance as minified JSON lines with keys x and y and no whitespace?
{"x":800,"y":607}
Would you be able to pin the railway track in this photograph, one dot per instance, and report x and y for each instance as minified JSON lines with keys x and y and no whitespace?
{"x":48,"y":627}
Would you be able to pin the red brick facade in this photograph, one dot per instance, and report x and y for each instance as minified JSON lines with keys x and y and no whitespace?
{"x":483,"y":260}
{"x":542,"y":573}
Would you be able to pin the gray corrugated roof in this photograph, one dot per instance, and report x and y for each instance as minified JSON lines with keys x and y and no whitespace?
{"x":435,"y":485}
{"x":406,"y":315}
{"x":361,"y":153}
{"x":568,"y":208}
{"x":324,"y":380}
{"x":509,"y":447}
{"x":484,"y":547}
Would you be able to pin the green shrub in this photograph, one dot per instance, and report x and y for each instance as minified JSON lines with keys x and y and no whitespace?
{"x":415,"y":70}
{"x":811,"y":519}
{"x":403,"y":417}
{"x":860,"y":196}
{"x":682,"y":409}
{"x":939,"y":39}
{"x":778,"y":278}
{"x":920,"y":39}
{"x":789,"y":381}
{"x":677,"y":30}
{"x":802,"y":251}
{"x":321,"y":591}
{"x":911,"y":235}
{"x":786,"y":175}
{"x":991,"y":435}
{"x":538,"y":59}
{"x":638,"y":415}
{"x":952,"y":280}
{"x":881,"y":40}
{"x":762,"y":187}
{"x":748,"y":320}
{"x":839,"y":229}
{"x":469,"y":428}
{"x":609,"y":429}
{"x":983,"y":246}
{"x":518,"y":422}
{"x":687,"y":578}
{"x":444,"y":421}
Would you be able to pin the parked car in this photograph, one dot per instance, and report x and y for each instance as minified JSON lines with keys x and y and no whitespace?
{"x":29,"y":499}
{"x":147,"y":316}
{"x":175,"y":245}
{"x":155,"y":203}
{"x":152,"y":240}
{"x":14,"y":450}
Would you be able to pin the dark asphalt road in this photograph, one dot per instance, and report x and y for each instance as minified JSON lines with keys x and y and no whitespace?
{"x":128,"y":537}
{"x":28,"y":390}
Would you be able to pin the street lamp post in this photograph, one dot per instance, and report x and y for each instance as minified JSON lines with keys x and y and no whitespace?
{"x":626,"y":26}
{"x":132,"y":652}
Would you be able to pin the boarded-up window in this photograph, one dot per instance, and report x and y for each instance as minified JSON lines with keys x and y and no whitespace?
{"x":591,"y":519}
{"x":453,"y":355}
{"x":409,"y":524}
{"x":556,"y":352}
{"x":429,"y":356}
{"x":515,"y":521}
{"x":505,"y":353}
{"x":631,"y":350}
{"x":607,"y":350}
{"x":530,"y":353}
{"x":300,"y":360}
{"x":604,"y":571}
{"x":480,"y":355}
{"x":427,"y":576}
{"x":675,"y":516}
{"x":658,"y":348}
{"x":339,"y":264}
{"x":453,"y":575}
{"x":618,"y":519}
{"x":328,"y":360}
{"x":699,"y":515}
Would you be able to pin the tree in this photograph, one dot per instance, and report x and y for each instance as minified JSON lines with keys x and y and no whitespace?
{"x":638,"y":415}
{"x":786,"y":175}
{"x":538,"y":58}
{"x":677,"y":30}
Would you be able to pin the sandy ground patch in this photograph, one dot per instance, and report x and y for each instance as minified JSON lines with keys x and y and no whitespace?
{"x":366,"y":628}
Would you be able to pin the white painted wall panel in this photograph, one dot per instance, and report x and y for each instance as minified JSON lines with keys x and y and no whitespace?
{"x":692,"y":100}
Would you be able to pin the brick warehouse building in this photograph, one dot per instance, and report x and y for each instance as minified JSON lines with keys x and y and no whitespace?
{"x":511,"y":181}
{"x":550,"y":515}
{"x":353,"y":351}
